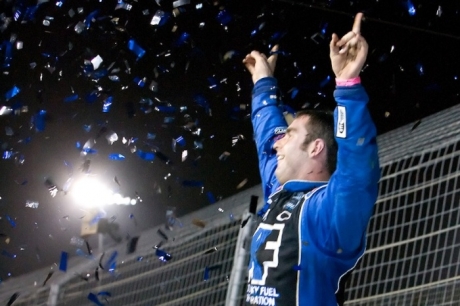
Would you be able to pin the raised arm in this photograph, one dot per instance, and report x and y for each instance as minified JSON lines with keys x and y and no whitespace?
{"x":267,"y":117}
{"x":348,"y":200}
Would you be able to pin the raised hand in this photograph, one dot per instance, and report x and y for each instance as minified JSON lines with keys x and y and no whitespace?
{"x":259,"y":65}
{"x":348,"y":54}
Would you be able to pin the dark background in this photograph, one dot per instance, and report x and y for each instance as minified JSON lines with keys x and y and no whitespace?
{"x":194,"y":56}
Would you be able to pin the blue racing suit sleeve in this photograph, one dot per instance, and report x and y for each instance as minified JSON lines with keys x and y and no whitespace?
{"x":342,"y":210}
{"x":268,"y":122}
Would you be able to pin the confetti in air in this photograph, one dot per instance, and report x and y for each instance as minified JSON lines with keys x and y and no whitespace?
{"x":143,"y":108}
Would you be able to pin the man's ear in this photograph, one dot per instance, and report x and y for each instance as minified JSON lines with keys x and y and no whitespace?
{"x":317,"y":146}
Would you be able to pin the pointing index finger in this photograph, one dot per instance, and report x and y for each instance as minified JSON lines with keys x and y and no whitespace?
{"x":357,"y":23}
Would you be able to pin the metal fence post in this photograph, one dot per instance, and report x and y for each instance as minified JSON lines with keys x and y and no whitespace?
{"x":240,"y":262}
{"x":53,"y":296}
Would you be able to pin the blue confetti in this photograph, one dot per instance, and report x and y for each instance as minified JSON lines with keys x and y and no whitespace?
{"x":90,"y":17}
{"x":99,"y":74}
{"x":104,"y":293}
{"x":7,"y":154}
{"x":116,"y":156}
{"x":112,"y":266}
{"x":206,"y":273}
{"x":224,"y":17}
{"x":112,"y":259}
{"x":149,"y":156}
{"x":91,"y":97}
{"x":93,"y":298}
{"x":420,"y":69}
{"x":160,"y":18}
{"x":182,"y":39}
{"x":165,"y":109}
{"x":19,"y":11}
{"x":88,"y":68}
{"x":8,"y":254}
{"x":254,"y":32}
{"x":133,"y":46}
{"x":213,"y":83}
{"x":123,"y":5}
{"x":211,"y":197}
{"x":30,"y":12}
{"x":161,"y":69}
{"x":198,"y":144}
{"x":12,"y":223}
{"x":21,"y":159}
{"x":107,"y":104}
{"x":180,"y":141}
{"x":71,"y":98}
{"x":63,"y":262}
{"x":203,"y":102}
{"x":12,"y":92}
{"x":7,"y":46}
{"x":410,"y":8}
{"x":146,"y":101}
{"x":39,"y":120}
{"x":114,"y":78}
{"x":324,"y":28}
{"x":87,"y":151}
{"x":140,"y":82}
{"x":325,"y":81}
{"x":162,"y":255}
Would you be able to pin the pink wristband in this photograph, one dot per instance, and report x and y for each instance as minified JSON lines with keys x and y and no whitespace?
{"x":349,"y":82}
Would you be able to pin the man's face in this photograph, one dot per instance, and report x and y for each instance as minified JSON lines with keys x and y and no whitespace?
{"x":293,"y":157}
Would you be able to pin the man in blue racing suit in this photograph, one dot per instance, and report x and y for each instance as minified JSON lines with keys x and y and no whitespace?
{"x":320,"y":177}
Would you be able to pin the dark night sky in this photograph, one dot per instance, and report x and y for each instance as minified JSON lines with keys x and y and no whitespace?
{"x":203,"y":73}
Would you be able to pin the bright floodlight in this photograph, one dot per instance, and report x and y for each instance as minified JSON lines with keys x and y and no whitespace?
{"x":91,"y":193}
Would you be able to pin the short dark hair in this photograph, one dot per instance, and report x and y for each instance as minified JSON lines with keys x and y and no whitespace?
{"x":321,"y":125}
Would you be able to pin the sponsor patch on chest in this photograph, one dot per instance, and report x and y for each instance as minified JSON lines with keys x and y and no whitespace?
{"x":293,"y":201}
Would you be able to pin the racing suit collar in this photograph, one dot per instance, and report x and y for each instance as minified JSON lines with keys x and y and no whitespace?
{"x":301,"y":185}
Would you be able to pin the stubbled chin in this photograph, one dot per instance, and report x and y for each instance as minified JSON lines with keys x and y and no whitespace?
{"x":277,"y":174}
